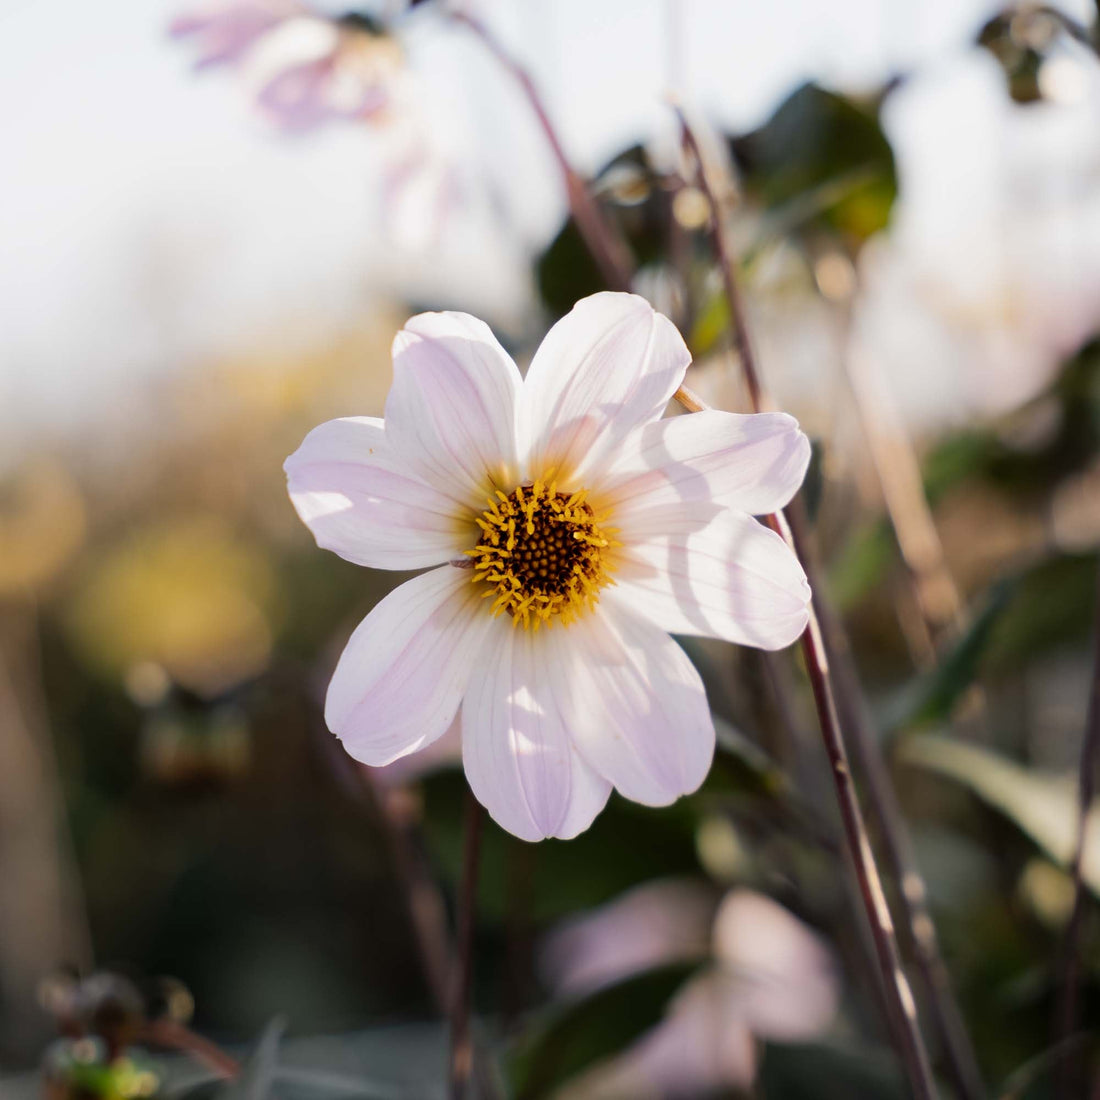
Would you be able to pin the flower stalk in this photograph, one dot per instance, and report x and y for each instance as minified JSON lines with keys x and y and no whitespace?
{"x":462,"y":1047}
{"x":814,"y":647}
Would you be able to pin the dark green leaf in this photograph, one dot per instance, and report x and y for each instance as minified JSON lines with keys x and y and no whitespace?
{"x":578,"y":1035}
{"x":260,"y":1070}
{"x":823,"y":143}
{"x":824,"y":1072}
{"x":932,"y":696}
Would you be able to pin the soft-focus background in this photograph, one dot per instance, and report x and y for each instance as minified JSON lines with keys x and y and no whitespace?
{"x":193,"y":275}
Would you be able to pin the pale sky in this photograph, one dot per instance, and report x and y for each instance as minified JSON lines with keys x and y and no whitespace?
{"x":149,"y":219}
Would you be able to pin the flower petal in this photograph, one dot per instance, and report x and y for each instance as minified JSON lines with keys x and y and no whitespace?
{"x":778,"y":971}
{"x":609,"y":366}
{"x":519,"y":760}
{"x":752,"y":463}
{"x":637,"y":709}
{"x":695,"y":569}
{"x":400,"y":679}
{"x":345,"y":485}
{"x":451,"y":412}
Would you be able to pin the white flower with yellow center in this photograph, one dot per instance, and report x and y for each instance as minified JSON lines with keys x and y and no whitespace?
{"x":570,"y":529}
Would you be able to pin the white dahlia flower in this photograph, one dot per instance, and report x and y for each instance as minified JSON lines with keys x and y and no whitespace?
{"x":566,"y":529}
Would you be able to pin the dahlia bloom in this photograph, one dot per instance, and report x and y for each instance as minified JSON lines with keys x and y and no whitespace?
{"x":566,"y":529}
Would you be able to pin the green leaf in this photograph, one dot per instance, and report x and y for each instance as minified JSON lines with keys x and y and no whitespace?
{"x":1043,"y":806}
{"x":258,"y":1073}
{"x":1052,"y":606}
{"x":862,"y":564}
{"x":626,"y":845}
{"x":824,"y":153}
{"x":576,"y":1036}
{"x":932,"y":696}
{"x":826,"y":1072}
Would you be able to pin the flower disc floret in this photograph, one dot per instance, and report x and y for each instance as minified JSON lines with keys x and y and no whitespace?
{"x":543,"y":554}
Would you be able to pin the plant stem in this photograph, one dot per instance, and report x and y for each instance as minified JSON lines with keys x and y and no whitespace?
{"x":896,"y":985}
{"x":462,"y":1049}
{"x":172,"y":1035}
{"x":608,"y":248}
{"x":959,"y":1053}
{"x":1086,"y":788}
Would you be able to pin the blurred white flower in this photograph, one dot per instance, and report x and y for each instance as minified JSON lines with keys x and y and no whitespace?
{"x":771,"y":978}
{"x":570,"y":528}
{"x":223,"y":32}
{"x":310,"y":70}
{"x":990,"y":274}
{"x":303,"y":69}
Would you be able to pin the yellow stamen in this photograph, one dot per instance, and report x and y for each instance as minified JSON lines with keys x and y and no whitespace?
{"x":543,"y":554}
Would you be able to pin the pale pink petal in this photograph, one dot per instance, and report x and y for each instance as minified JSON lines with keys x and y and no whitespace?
{"x":443,"y":753}
{"x":696,"y":569}
{"x":779,"y":972}
{"x":751,"y":463}
{"x":400,"y":679}
{"x":451,"y":413}
{"x":606,"y":368}
{"x":637,"y":709}
{"x":345,"y":485}
{"x":516,"y":749}
{"x":224,"y":32}
{"x":659,"y":922}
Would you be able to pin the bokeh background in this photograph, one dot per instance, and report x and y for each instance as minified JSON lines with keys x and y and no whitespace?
{"x":191,"y":280}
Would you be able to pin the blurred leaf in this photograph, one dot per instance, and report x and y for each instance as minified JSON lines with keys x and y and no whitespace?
{"x":566,"y":272}
{"x":578,"y":1035}
{"x":822,"y":1072}
{"x":862,"y":563}
{"x":1041,"y":805}
{"x":822,"y":153}
{"x":626,"y":845}
{"x":1052,"y":605}
{"x":740,"y":762}
{"x":932,"y":696}
{"x":632,"y":198}
{"x":258,"y":1073}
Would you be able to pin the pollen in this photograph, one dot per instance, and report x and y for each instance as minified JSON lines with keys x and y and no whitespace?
{"x":544,"y":554}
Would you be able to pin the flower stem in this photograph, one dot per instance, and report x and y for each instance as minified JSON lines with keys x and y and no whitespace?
{"x":1086,"y":789}
{"x":896,"y":985}
{"x":172,"y":1035}
{"x":607,"y":246}
{"x":462,"y":1049}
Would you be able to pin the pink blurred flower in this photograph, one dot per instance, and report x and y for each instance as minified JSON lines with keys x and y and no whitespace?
{"x":310,"y":70}
{"x":303,"y":69}
{"x":224,"y":32}
{"x":568,"y":529}
{"x":772,"y":978}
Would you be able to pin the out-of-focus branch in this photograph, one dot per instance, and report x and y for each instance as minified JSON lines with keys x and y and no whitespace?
{"x":172,"y":1035}
{"x":899,"y":474}
{"x":896,"y":985}
{"x":604,"y":242}
{"x":607,"y":246}
{"x":462,"y":1047}
{"x":1086,"y":790}
{"x":42,"y":921}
